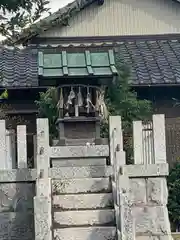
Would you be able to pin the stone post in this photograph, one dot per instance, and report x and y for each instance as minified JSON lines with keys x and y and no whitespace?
{"x":3,"y":163}
{"x":115,"y":135}
{"x":43,"y":210}
{"x":43,"y":198}
{"x":10,"y":149}
{"x":138,"y":142}
{"x":127,"y":225}
{"x":21,"y":146}
{"x":43,"y":160}
{"x":159,"y":138}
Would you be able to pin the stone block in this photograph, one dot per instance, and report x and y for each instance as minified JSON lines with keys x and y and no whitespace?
{"x":42,"y":218}
{"x":149,"y":170}
{"x":83,"y":201}
{"x":86,"y":233}
{"x":138,"y":191}
{"x":159,"y":237}
{"x":16,"y":226}
{"x":78,"y":162}
{"x":79,"y":151}
{"x":157,"y":192}
{"x":84,"y":218}
{"x":151,"y":220}
{"x":80,"y":172}
{"x":18,"y":175}
{"x":16,"y":197}
{"x":83,"y":185}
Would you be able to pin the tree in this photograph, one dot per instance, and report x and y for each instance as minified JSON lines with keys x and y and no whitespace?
{"x":16,"y":14}
{"x":123,"y":101}
{"x":173,"y":181}
{"x":47,"y":107}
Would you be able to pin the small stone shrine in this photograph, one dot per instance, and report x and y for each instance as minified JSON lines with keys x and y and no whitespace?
{"x":81,"y":78}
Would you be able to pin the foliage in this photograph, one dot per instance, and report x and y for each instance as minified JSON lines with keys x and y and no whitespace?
{"x":22,"y":12}
{"x":173,"y":181}
{"x":123,"y":101}
{"x":47,"y":108}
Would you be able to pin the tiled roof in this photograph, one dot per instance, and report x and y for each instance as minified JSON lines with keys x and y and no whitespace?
{"x":18,"y":67}
{"x":152,"y":62}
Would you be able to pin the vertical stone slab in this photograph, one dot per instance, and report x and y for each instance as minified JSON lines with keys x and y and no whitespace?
{"x":159,"y":138}
{"x":3,"y":161}
{"x":43,"y":161}
{"x":42,"y":218}
{"x":35,"y":150}
{"x":138,"y":142}
{"x":127,"y":225}
{"x":115,"y":135}
{"x":148,"y":144}
{"x":10,"y":154}
{"x":22,"y":146}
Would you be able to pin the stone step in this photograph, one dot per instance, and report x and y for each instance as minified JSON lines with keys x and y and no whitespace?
{"x":79,"y":151}
{"x":83,"y":185}
{"x":83,"y":201}
{"x":78,"y":162}
{"x":84,"y":218}
{"x":86,"y":233}
{"x":80,"y":172}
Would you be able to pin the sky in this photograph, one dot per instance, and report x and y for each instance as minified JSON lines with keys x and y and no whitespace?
{"x":54,"y":5}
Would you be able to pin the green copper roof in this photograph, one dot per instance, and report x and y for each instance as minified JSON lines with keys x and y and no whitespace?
{"x":77,"y":64}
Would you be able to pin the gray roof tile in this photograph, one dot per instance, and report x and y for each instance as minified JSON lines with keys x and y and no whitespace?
{"x":18,"y":68}
{"x":152,"y":62}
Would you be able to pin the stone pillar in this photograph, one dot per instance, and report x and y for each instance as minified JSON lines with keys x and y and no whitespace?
{"x":43,"y":160}
{"x":43,"y":198}
{"x":138,"y":142}
{"x":3,"y":161}
{"x":159,"y":138}
{"x":42,"y":210}
{"x":115,"y":136}
{"x":10,"y":149}
{"x":22,"y":146}
{"x":127,"y":225}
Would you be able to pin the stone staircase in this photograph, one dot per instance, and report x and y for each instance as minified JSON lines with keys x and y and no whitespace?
{"x":83,"y":207}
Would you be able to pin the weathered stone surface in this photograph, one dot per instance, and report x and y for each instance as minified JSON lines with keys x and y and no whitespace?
{"x":138,"y":191}
{"x":157,"y":192}
{"x":86,"y":233}
{"x":83,"y":185}
{"x":79,"y":151}
{"x":78,"y":162}
{"x":42,"y":218}
{"x":84,"y":218}
{"x":162,"y":237}
{"x":18,"y":175}
{"x":16,"y":226}
{"x":80,"y":172}
{"x":149,"y":170}
{"x":83,"y":201}
{"x":16,"y":197}
{"x":152,"y":220}
{"x":43,"y":187}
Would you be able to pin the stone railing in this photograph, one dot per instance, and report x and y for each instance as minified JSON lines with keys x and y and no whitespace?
{"x":140,"y":190}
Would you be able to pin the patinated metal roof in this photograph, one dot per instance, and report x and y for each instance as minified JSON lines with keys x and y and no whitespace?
{"x":85,"y":63}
